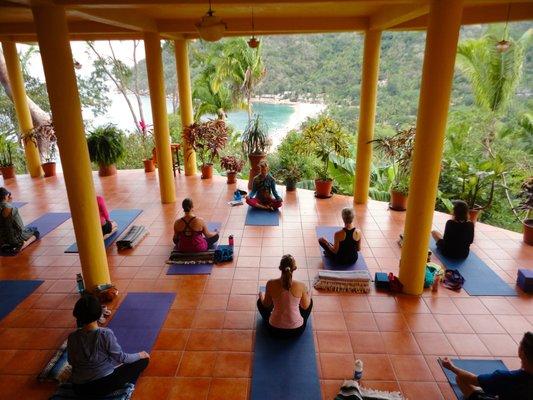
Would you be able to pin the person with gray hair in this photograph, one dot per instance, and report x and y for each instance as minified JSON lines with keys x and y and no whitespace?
{"x":264,"y":195}
{"x":347,"y":241}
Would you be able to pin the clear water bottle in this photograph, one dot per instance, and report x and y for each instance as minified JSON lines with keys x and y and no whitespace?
{"x":79,"y":283}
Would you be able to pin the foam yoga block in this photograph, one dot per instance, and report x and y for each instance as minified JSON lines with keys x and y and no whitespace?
{"x":525,"y":280}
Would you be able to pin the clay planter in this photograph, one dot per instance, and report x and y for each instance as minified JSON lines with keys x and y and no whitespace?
{"x":107,"y":170}
{"x":528,"y":231}
{"x":290,"y":186}
{"x":232,"y":177}
{"x":398,"y":201}
{"x":473,"y":214}
{"x":323,"y":188}
{"x":8,"y":172}
{"x":255,"y":159}
{"x":49,"y":169}
{"x":149,"y":165}
{"x":207,"y":171}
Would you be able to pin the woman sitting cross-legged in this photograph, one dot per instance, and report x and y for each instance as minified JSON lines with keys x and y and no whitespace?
{"x":108,"y":227}
{"x":264,"y":194}
{"x":458,"y":233}
{"x":14,"y":236}
{"x":190,"y":232}
{"x":347,"y":241}
{"x":286,"y":305}
{"x":99,"y":366}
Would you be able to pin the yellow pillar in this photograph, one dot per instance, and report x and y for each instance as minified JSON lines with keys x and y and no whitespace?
{"x":18,"y":92}
{"x":156,"y":83}
{"x":367,"y":116}
{"x":184,"y":86}
{"x":54,"y":46}
{"x":437,"y":75}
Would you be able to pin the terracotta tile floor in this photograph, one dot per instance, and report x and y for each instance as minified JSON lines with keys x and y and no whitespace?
{"x":205,"y":348}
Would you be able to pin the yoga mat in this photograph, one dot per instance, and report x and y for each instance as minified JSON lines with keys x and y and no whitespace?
{"x":195,"y":269}
{"x":19,"y":204}
{"x":123,"y":217}
{"x":284,"y":369}
{"x":476,"y":367}
{"x":329,"y":232}
{"x":139,"y":319}
{"x":256,"y":217}
{"x":14,"y":292}
{"x":49,"y":221}
{"x":480,"y":279}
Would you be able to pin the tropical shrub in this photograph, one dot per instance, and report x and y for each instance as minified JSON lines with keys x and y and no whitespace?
{"x":255,"y":136}
{"x":106,"y":144}
{"x":231,"y":164}
{"x":207,"y":139}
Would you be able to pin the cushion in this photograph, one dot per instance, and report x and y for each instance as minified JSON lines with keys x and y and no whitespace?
{"x":66,"y":392}
{"x":381,"y":280}
{"x":525,"y":280}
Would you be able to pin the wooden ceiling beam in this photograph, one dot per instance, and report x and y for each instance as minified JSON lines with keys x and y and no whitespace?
{"x":216,"y":3}
{"x":118,"y":18}
{"x":395,"y":15}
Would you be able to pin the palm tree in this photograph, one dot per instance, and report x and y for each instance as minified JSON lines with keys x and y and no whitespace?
{"x":494,"y":75}
{"x":209,"y":100}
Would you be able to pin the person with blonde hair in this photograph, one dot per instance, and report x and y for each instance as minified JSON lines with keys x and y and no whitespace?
{"x":346,"y":243}
{"x":286,"y":305}
{"x":264,"y":195}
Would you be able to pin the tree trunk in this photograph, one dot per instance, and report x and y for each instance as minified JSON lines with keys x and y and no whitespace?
{"x":38,"y":115}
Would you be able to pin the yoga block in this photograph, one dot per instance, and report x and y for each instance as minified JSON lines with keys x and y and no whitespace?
{"x":525,"y":280}
{"x":381,"y":280}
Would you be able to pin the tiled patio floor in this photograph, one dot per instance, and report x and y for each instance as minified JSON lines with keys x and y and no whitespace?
{"x":205,"y":348}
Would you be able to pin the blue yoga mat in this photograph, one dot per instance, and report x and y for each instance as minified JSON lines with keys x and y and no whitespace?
{"x":257,"y":217}
{"x":476,"y":367}
{"x":195,"y":269}
{"x":49,"y":221}
{"x":139,"y":319}
{"x":19,"y":204}
{"x":480,"y":279}
{"x":329,"y":232}
{"x":284,"y":369}
{"x":12,"y":293}
{"x":123,"y":217}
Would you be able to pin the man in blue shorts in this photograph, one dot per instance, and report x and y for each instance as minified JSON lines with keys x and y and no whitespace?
{"x":501,"y":385}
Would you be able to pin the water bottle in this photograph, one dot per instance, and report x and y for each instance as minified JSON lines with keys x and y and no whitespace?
{"x":230,"y":240}
{"x":237,"y":195}
{"x":79,"y":283}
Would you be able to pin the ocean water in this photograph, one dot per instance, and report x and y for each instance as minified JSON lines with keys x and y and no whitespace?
{"x":275,"y":116}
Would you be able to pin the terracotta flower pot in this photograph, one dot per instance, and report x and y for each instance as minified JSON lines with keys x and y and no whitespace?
{"x":232,"y":177}
{"x":473,"y":214}
{"x":290,"y":186}
{"x":8,"y":172}
{"x":149,"y":165}
{"x":323,"y":188}
{"x":528,"y":231}
{"x":107,"y":170}
{"x":255,"y":159}
{"x":207,"y":171}
{"x":398,"y":201}
{"x":49,"y":169}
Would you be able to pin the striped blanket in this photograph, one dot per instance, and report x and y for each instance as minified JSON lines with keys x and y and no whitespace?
{"x":351,"y":390}
{"x":357,"y":281}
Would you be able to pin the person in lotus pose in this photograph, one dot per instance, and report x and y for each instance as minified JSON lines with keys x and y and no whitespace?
{"x":190,"y":232}
{"x":458,"y":233}
{"x":347,"y":241}
{"x":264,"y":195}
{"x":108,"y":227}
{"x":14,"y":236}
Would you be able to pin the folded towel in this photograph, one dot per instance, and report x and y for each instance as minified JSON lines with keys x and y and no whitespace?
{"x":351,"y":390}
{"x":132,"y":237}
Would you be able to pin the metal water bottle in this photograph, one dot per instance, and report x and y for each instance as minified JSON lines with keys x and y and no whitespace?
{"x":79,"y":283}
{"x":230,"y":240}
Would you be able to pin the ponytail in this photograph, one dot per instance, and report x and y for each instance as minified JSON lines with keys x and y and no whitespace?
{"x":286,"y":266}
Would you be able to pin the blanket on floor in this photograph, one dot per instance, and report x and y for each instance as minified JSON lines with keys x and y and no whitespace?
{"x":58,"y":369}
{"x":357,"y":281}
{"x":66,"y":392}
{"x":351,"y":390}
{"x":205,"y":257}
{"x":132,"y":237}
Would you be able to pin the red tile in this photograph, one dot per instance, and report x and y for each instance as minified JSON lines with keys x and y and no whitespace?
{"x":514,"y":323}
{"x":197,"y":363}
{"x":411,"y":368}
{"x":434,"y":343}
{"x":334,"y":342}
{"x":229,"y":388}
{"x":208,"y":320}
{"x":400,"y":343}
{"x":367,"y":342}
{"x":376,"y":367}
{"x":500,"y":344}
{"x":467,"y":344}
{"x":336,"y":366}
{"x":453,"y":324}
{"x":178,"y":319}
{"x":383,"y":304}
{"x":328,"y":321}
{"x":422,"y":323}
{"x":470,"y":305}
{"x":354,"y":304}
{"x":163,"y":363}
{"x":190,"y":389}
{"x":171,"y":339}
{"x":204,"y":340}
{"x":151,"y":387}
{"x":214,"y":302}
{"x":485,"y":324}
{"x":233,"y":365}
{"x":360,"y":322}
{"x":232,"y":340}
{"x":239,"y":320}
{"x":391,"y":322}
{"x":421,"y":390}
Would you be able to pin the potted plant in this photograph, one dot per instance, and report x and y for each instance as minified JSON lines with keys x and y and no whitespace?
{"x":49,"y":165}
{"x":398,"y":149}
{"x":255,"y":143}
{"x":7,"y":147}
{"x":233,"y":166}
{"x":478,"y":181}
{"x":526,"y":206}
{"x":326,"y":139}
{"x":289,"y":172}
{"x":106,"y":147}
{"x":207,"y":139}
{"x":147,"y":145}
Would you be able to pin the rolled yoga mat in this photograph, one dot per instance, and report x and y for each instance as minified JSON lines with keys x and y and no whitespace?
{"x":12,"y":293}
{"x":195,"y":269}
{"x":329,"y":232}
{"x":284,"y":369}
{"x":139,"y":319}
{"x":257,"y":217}
{"x":123,"y":218}
{"x":477,"y":367}
{"x":480,"y":279}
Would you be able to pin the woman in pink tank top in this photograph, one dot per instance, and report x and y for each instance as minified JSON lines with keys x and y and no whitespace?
{"x":286,"y":305}
{"x":190,"y":232}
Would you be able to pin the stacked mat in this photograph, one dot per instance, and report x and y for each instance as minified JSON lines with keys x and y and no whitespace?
{"x":343,"y":281}
{"x":132,"y":238}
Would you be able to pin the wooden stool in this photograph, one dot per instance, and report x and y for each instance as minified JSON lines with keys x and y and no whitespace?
{"x":174,"y":149}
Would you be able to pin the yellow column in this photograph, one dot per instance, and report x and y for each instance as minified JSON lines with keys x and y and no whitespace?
{"x":184,"y":86}
{"x":18,"y":92}
{"x":437,"y":75}
{"x":156,"y":83}
{"x":54,"y":46}
{"x":367,"y":116}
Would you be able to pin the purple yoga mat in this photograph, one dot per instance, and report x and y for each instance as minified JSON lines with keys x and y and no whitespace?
{"x":49,"y":221}
{"x":139,"y":319}
{"x":329,"y":232}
